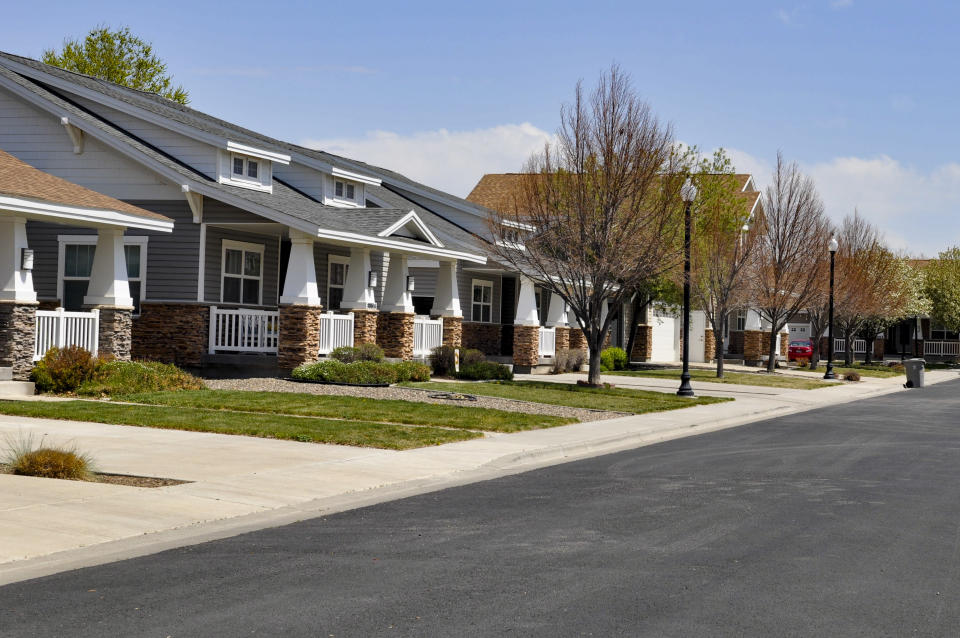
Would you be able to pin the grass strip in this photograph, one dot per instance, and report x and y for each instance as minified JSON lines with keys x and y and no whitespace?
{"x":612,"y":399}
{"x":354,"y":408}
{"x":873,"y":370}
{"x":272,"y":426}
{"x":739,"y":378}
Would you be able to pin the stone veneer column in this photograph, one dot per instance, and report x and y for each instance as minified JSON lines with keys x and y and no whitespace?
{"x":453,"y":332}
{"x":563,"y":338}
{"x":784,"y":343}
{"x":171,"y":333}
{"x":116,"y":332}
{"x":753,"y":346}
{"x":17,"y":337}
{"x":577,"y":339}
{"x":526,"y":347}
{"x":364,"y":326}
{"x":709,"y":346}
{"x":299,"y":335}
{"x":642,"y":344}
{"x":395,"y":334}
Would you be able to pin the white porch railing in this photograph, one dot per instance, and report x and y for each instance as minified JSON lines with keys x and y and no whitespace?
{"x":242,"y":330}
{"x":427,"y":335}
{"x":941,"y":348}
{"x":548,"y":342}
{"x":336,"y":331}
{"x":60,"y":328}
{"x":859,"y":346}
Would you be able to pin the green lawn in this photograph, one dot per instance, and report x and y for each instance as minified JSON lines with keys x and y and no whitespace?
{"x":613,"y":399}
{"x":742,"y":378}
{"x":873,"y":370}
{"x":274,"y":426}
{"x":353,"y":408}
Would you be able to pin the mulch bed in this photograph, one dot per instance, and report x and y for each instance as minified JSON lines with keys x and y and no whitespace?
{"x":121,"y":479}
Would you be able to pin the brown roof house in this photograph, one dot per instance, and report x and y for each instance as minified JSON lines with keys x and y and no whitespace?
{"x":31,"y":195}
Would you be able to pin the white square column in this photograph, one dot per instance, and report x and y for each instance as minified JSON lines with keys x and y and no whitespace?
{"x":446,"y":302}
{"x":108,"y":277}
{"x":527,"y":314}
{"x":300,"y":284}
{"x":17,"y":283}
{"x":557,"y":312}
{"x":396,"y":297}
{"x":357,"y":294}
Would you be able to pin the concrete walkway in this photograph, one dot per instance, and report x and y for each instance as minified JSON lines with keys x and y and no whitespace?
{"x":242,"y":483}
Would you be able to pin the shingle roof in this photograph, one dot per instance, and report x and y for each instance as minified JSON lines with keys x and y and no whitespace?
{"x":216,"y":126}
{"x":19,"y":179}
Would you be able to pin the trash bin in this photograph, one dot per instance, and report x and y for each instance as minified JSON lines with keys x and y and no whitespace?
{"x":914,"y":373}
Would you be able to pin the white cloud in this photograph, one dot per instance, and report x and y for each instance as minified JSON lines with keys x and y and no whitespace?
{"x":453,"y":161}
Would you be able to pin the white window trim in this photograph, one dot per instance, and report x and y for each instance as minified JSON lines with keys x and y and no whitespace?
{"x":264,"y":180}
{"x":336,"y":259}
{"x":230,"y":244}
{"x":357,"y":190}
{"x":485,"y":283}
{"x":88,"y":240}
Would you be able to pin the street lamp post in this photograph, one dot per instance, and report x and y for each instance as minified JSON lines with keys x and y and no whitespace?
{"x":689,"y":193}
{"x":833,"y":252}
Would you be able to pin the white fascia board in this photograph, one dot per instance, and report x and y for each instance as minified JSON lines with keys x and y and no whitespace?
{"x":336,"y":171}
{"x":512,"y":224}
{"x":747,"y":184}
{"x":756,"y":203}
{"x":406,"y":219}
{"x":79,"y":215}
{"x":236,"y":147}
{"x":398,"y":246}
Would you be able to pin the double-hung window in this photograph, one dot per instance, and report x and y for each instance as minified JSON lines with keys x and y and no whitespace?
{"x":76,"y":264}
{"x":741,"y":320}
{"x":482,"y":301}
{"x":337,"y":268}
{"x":242,"y":276}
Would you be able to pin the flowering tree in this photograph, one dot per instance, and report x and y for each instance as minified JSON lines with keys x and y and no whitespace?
{"x":941,"y":285}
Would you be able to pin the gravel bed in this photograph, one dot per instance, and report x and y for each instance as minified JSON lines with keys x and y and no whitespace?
{"x":268,"y":384}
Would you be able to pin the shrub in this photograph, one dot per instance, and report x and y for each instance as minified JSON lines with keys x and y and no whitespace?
{"x":483,"y":370}
{"x":802,"y":362}
{"x":363,"y":352}
{"x":852,"y":376}
{"x":613,"y":359}
{"x":412,"y":371}
{"x":116,"y":378}
{"x":471,"y":356}
{"x":63,"y":369}
{"x":442,"y":361}
{"x":566,"y":360}
{"x":27,"y":458}
{"x":359,"y":372}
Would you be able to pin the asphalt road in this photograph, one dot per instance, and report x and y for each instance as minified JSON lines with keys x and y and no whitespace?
{"x":839,"y":522}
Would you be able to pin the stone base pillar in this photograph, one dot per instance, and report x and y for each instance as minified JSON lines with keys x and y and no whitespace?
{"x":17,"y":337}
{"x":709,"y":346}
{"x":171,"y":333}
{"x":642,"y":344}
{"x":453,"y":331}
{"x":526,"y":348}
{"x":299,"y":335}
{"x":395,"y":334}
{"x":784,"y":343}
{"x":756,"y":345}
{"x":577,"y":339}
{"x":116,"y":332}
{"x":484,"y":337}
{"x":563,"y":338}
{"x":364,"y":326}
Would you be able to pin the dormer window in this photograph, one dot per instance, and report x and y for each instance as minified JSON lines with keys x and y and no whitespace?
{"x":344,"y":190}
{"x":246,"y":171}
{"x":246,"y":167}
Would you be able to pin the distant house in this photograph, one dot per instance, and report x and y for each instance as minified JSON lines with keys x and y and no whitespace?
{"x":278,"y":251}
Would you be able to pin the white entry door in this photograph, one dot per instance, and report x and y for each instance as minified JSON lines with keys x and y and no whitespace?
{"x":698,"y":328}
{"x":665,"y":332}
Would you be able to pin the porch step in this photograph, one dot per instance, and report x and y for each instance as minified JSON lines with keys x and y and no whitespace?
{"x":17,"y":389}
{"x":6,"y":374}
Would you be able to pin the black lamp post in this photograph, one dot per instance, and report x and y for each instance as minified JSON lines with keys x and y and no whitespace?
{"x":689,"y":193}
{"x":833,"y":252}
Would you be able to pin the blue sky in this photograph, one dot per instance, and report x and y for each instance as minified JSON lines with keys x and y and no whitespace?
{"x":862,"y":93}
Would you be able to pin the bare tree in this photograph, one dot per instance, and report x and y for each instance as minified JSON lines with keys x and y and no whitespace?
{"x":597,"y":214}
{"x":787,"y":264}
{"x":722,"y":244}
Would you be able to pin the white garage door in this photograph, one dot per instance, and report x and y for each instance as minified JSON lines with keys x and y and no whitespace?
{"x":665,"y":331}
{"x":799,"y":331}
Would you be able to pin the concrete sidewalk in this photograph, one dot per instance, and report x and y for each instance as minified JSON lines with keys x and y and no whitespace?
{"x":242,"y":483}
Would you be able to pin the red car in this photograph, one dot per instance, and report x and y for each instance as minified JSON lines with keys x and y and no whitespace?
{"x":800,"y":350}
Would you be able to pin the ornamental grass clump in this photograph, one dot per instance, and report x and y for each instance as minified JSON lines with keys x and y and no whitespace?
{"x":356,"y":373}
{"x":117,"y":378}
{"x":26,"y":457}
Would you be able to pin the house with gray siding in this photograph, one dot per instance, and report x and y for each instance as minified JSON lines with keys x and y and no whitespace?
{"x":277,"y":250}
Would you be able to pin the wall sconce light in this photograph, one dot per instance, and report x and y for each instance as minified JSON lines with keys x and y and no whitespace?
{"x":372,"y":279}
{"x":409,"y":283}
{"x":26,"y":259}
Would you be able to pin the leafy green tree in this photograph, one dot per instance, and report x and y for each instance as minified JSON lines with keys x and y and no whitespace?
{"x":942,"y":287}
{"x":120,"y":57}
